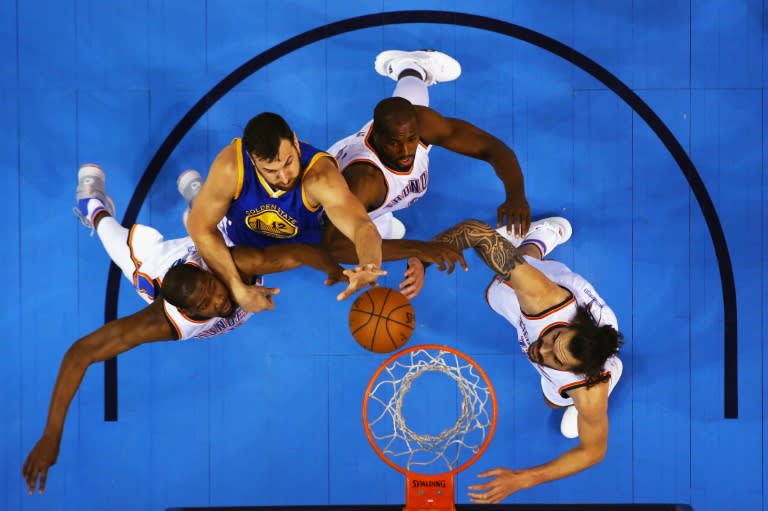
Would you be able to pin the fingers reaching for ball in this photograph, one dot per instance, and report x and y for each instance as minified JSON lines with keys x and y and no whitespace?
{"x":360,"y":277}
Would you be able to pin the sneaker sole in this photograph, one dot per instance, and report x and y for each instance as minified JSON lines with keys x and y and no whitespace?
{"x":91,"y":170}
{"x":439,"y":66}
{"x":95,"y":171}
{"x":563,"y":223}
{"x":185,"y":178}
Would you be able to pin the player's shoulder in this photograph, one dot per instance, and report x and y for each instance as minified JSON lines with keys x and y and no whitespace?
{"x":231,"y":149}
{"x":427,"y":114}
{"x":320,"y":163}
{"x":367,"y":182}
{"x":433,"y":126}
{"x":591,"y":400}
{"x":226,"y":162}
{"x":363,"y":169}
{"x":323,"y":170}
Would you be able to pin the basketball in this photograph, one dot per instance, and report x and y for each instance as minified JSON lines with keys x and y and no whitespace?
{"x":381,"y":320}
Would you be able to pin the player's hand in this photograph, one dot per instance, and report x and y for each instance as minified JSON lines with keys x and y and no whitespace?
{"x":515,"y":212}
{"x":413,"y":279}
{"x":505,"y":482}
{"x":255,"y":298}
{"x":442,"y":254}
{"x":360,"y":277}
{"x":39,"y":460}
{"x":335,"y":276}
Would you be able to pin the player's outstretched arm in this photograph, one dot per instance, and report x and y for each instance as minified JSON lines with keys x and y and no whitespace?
{"x":430,"y":252}
{"x":465,"y":138}
{"x":324,"y":185}
{"x":327,"y":187}
{"x":110,"y":340}
{"x":252,"y":261}
{"x":534,"y":290}
{"x":417,"y":253}
{"x":497,"y":253}
{"x":592,"y":405}
{"x":367,"y":183}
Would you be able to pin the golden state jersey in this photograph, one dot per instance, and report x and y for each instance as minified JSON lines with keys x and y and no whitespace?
{"x":260,"y":216}
{"x":502,"y":299}
{"x":152,"y":257}
{"x":403,"y":188}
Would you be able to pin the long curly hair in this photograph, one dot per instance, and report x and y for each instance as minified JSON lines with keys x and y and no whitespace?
{"x":592,"y":345}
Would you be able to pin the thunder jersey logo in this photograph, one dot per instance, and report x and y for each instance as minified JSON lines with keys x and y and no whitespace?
{"x":271,"y":220}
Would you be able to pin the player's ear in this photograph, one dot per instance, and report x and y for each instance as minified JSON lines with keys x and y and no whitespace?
{"x":295,"y":141}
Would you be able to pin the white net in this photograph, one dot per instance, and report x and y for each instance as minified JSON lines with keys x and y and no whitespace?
{"x":424,"y":452}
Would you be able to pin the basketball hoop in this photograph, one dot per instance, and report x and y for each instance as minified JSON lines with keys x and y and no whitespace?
{"x":429,"y":461}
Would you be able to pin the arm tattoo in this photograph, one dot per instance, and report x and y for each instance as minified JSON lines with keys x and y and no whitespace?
{"x":498,"y":253}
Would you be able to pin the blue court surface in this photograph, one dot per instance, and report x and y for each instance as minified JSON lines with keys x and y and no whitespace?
{"x":640,"y":121}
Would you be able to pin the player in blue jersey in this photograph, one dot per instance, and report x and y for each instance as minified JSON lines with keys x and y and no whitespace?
{"x":271,"y":189}
{"x":184,"y":301}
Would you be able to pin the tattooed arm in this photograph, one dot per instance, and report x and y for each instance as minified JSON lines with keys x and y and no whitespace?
{"x":497,"y":253}
{"x":534,"y":290}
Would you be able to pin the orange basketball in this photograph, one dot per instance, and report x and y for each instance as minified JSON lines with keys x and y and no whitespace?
{"x":381,"y":319}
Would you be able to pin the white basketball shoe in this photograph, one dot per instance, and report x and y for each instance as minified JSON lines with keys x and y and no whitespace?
{"x":434,"y":66}
{"x":91,"y":195}
{"x":546,"y":234}
{"x":188,"y":184}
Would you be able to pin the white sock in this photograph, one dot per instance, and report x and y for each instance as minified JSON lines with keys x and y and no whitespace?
{"x":412,"y":89}
{"x":544,"y":239}
{"x":93,"y":207}
{"x":114,"y":237}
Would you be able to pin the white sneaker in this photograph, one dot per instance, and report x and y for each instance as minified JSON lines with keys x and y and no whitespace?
{"x":569,"y":424}
{"x":546,"y":234}
{"x":514,"y":238}
{"x":435,"y":66}
{"x":91,"y":185}
{"x":188,"y":184}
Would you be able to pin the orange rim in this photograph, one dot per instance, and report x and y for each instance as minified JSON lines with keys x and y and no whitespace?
{"x":399,"y":354}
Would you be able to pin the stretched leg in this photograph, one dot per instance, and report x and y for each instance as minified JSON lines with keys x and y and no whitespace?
{"x":114,"y":238}
{"x":96,"y":210}
{"x":411,"y":86}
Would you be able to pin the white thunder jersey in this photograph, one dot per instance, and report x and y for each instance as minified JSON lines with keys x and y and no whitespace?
{"x":403,"y":188}
{"x":502,"y":299}
{"x":153,"y":257}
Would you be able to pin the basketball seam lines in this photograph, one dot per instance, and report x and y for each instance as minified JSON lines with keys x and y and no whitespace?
{"x":376,"y":327}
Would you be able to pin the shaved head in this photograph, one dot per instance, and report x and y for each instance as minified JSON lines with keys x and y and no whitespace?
{"x":391,"y":113}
